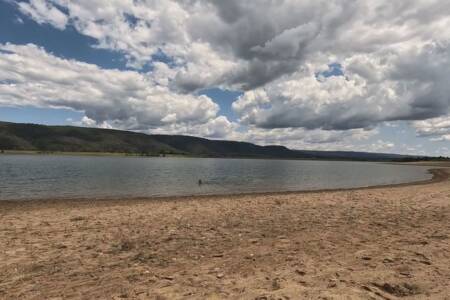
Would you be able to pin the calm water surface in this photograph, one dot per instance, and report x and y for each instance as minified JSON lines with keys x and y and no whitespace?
{"x":35,"y":177}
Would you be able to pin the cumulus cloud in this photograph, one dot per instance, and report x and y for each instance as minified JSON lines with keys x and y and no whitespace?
{"x":393,"y":84}
{"x":394,"y":55}
{"x":268,"y":38}
{"x":44,"y":12}
{"x":217,"y":128}
{"x":299,"y":138}
{"x":437,"y":128}
{"x":29,"y":76}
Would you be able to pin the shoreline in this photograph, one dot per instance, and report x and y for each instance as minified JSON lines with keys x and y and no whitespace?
{"x":181,"y":155}
{"x":366,"y":243}
{"x":439,"y":174}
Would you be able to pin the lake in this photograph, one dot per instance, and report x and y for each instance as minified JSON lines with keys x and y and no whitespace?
{"x":37,"y":177}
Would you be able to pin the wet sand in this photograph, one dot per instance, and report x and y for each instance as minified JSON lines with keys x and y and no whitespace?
{"x":376,"y":243}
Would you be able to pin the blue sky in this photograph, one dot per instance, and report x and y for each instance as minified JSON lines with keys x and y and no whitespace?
{"x":18,"y":29}
{"x":133,"y":73}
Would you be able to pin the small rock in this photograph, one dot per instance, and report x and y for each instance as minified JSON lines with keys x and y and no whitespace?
{"x":168,"y":278}
{"x":399,"y":290}
{"x":276,"y":284}
{"x":332,"y":284}
{"x":366,"y":288}
{"x":220,"y":275}
{"x":126,"y":246}
{"x":406,"y":274}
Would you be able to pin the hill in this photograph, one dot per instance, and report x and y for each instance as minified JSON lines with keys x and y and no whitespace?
{"x":41,"y":138}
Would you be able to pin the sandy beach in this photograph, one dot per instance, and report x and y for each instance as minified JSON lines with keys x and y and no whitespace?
{"x":376,"y":243}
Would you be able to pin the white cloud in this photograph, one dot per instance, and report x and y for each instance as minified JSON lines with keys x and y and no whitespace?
{"x":43,"y":11}
{"x":268,"y":38}
{"x":29,"y":76}
{"x":395,"y":56}
{"x":299,"y":138}
{"x":437,"y":128}
{"x":390,"y":85}
{"x":217,"y":128}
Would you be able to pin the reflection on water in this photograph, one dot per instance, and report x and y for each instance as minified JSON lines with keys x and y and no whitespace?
{"x":33,"y":176}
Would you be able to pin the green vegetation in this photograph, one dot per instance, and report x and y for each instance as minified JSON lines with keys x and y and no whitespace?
{"x":40,"y":139}
{"x":423,"y":158}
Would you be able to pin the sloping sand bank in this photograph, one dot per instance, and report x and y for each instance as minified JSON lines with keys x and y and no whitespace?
{"x":377,"y":243}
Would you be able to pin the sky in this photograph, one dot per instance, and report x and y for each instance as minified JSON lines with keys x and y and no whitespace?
{"x":328,"y":74}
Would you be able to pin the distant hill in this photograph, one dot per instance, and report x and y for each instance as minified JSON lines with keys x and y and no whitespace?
{"x":31,"y":137}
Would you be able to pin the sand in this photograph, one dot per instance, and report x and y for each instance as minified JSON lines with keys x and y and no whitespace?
{"x":378,"y":243}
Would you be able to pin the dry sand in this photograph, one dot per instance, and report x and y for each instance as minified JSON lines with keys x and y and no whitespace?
{"x":379,"y":243}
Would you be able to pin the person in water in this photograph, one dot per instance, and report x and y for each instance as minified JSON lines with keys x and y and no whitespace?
{"x":200,"y":182}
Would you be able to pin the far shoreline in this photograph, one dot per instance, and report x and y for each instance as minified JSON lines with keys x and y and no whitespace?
{"x":439,"y":173}
{"x":181,"y":155}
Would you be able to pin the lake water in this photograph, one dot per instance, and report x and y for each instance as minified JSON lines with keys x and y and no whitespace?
{"x":35,"y":177}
